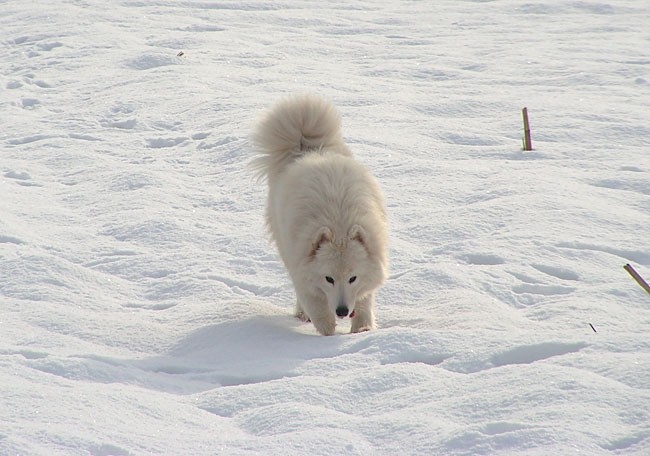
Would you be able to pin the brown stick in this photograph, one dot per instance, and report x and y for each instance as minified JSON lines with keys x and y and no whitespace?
{"x":528,"y":145}
{"x":635,"y":275}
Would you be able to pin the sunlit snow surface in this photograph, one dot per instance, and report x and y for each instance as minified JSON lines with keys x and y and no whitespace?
{"x":144,"y":311}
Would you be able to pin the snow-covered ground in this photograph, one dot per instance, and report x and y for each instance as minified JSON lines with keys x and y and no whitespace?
{"x":143,"y":310}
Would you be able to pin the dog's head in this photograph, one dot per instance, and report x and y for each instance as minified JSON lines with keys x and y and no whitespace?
{"x":345,"y":269}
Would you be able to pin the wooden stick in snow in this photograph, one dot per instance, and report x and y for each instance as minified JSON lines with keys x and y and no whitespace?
{"x":528,"y":145}
{"x":635,"y":275}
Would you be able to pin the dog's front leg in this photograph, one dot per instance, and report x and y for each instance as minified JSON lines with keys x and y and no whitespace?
{"x":315,"y":308}
{"x":364,"y":314}
{"x":299,"y":313}
{"x":324,"y":324}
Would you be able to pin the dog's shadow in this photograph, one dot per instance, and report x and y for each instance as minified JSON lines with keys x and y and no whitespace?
{"x":246,"y":351}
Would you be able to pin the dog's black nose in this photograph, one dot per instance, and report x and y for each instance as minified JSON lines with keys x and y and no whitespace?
{"x":342,"y":311}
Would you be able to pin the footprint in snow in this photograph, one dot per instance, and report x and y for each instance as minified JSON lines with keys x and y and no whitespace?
{"x":21,"y":178}
{"x":527,"y":354}
{"x":18,"y":175}
{"x":10,"y":240}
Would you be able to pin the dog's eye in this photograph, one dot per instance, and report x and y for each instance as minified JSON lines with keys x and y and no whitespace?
{"x":329,"y":280}
{"x":352,"y":279}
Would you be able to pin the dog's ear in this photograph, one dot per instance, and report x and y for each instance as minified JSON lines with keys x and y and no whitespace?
{"x":323,"y":235}
{"x":357,"y":233}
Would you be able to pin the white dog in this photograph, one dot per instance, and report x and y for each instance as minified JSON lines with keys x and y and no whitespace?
{"x":325,"y":213}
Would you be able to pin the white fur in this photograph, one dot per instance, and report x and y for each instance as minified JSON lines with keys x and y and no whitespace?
{"x":325,"y":212}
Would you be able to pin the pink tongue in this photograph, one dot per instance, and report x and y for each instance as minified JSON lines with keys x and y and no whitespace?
{"x":352,"y":314}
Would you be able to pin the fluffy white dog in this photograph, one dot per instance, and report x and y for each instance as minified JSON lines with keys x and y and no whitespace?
{"x":325,"y":213}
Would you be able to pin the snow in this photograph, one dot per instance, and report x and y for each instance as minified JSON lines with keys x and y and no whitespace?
{"x":143,"y":310}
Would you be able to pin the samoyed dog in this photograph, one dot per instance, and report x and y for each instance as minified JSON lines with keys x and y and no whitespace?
{"x":325,"y":213}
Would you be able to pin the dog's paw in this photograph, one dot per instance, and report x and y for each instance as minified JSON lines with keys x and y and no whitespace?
{"x":362,"y":322}
{"x":302,"y":316}
{"x":326,"y":328}
{"x":361,"y":329}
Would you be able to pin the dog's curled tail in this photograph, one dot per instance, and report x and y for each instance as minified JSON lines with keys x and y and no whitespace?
{"x":292,"y":128}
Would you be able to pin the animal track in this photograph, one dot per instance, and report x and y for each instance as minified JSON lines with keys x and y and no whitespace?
{"x":159,"y":143}
{"x":626,"y":442}
{"x":560,"y":273}
{"x":19,"y":175}
{"x":200,"y":136}
{"x":108,"y":450}
{"x":42,"y":84}
{"x":630,"y":255}
{"x":482,"y":259}
{"x":149,"y":61}
{"x":633,"y":169}
{"x":501,"y":427}
{"x":543,"y":290}
{"x":127,"y":124}
{"x":22,"y":178}
{"x":29,"y":103}
{"x":527,"y":354}
{"x":27,"y":354}
{"x":247,"y":287}
{"x":524,"y":278}
{"x":29,"y":139}
{"x":641,"y":186}
{"x":47,"y":47}
{"x":10,"y":240}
